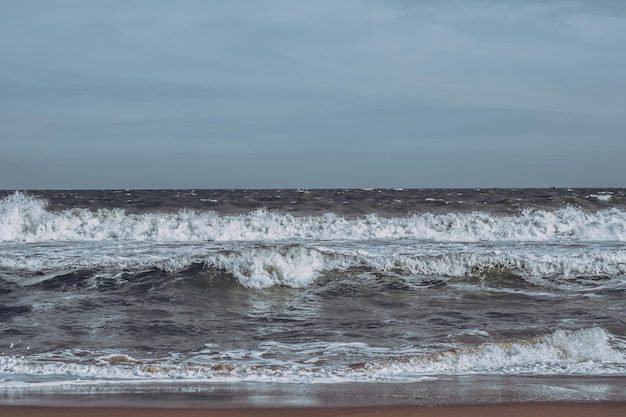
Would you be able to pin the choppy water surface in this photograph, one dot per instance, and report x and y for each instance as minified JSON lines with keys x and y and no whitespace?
{"x":310,"y":285}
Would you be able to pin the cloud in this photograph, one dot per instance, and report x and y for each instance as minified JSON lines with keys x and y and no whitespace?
{"x":128,"y":78}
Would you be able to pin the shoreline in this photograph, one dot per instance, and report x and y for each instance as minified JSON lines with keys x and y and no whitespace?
{"x":553,"y":409}
{"x":443,"y":391}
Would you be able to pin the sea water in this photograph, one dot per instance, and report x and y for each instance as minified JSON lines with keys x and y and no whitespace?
{"x":309,"y":286}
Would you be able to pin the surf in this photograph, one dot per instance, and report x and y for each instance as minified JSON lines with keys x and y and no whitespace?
{"x":24,"y":218}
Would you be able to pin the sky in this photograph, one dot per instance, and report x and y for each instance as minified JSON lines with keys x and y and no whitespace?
{"x":312,"y":94}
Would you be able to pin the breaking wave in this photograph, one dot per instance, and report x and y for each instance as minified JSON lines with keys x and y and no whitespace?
{"x":298,"y":266}
{"x":591,"y":351}
{"x":585,"y":351}
{"x":24,"y":218}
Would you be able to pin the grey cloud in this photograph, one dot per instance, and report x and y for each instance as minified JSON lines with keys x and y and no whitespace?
{"x":84,"y":78}
{"x":321,"y":170}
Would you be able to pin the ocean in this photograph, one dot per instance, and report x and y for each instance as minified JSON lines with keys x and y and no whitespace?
{"x":187,"y":290}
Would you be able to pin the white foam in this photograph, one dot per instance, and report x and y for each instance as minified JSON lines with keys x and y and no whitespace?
{"x":25,"y":219}
{"x":591,"y":351}
{"x":587,"y":351}
{"x":293,"y":266}
{"x":257,"y":265}
{"x":604,"y":196}
{"x":263,"y":249}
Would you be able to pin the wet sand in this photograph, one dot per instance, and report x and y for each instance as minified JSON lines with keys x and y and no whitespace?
{"x":499,"y":410}
{"x":444,"y":392}
{"x":445,"y":397}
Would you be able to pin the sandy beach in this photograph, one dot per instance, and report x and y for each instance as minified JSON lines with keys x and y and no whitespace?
{"x":511,"y":410}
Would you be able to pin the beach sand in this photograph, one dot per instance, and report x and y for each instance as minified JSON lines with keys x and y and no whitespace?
{"x":499,"y":410}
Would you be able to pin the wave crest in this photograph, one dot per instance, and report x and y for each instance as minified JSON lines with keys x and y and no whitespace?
{"x":24,"y":218}
{"x":298,"y":266}
{"x":585,"y":351}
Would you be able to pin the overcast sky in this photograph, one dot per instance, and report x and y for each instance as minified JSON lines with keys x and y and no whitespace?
{"x":325,"y":93}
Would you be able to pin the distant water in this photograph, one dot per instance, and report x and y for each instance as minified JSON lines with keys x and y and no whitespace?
{"x":310,"y":286}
